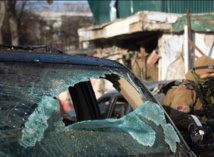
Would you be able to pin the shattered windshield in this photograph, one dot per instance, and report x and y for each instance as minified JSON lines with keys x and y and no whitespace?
{"x":31,"y":124}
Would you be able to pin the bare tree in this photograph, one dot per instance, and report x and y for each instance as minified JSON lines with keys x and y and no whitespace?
{"x":2,"y":17}
{"x":11,"y":10}
{"x":11,"y":21}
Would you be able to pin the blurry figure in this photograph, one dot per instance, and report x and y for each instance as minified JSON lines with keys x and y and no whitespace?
{"x":66,"y":108}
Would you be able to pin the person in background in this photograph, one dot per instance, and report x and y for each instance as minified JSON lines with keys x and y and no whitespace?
{"x":193,"y":100}
{"x":66,"y":107}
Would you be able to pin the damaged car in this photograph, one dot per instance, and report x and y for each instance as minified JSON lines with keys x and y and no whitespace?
{"x":31,"y":115}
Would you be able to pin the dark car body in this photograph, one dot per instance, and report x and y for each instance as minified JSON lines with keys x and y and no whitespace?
{"x":31,"y":124}
{"x":113,"y":104}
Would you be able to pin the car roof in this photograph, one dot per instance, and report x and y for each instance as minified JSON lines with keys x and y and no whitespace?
{"x":22,"y":55}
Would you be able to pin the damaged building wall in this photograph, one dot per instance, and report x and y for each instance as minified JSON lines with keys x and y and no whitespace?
{"x":131,"y":41}
{"x":171,"y":51}
{"x":133,"y":59}
{"x":171,"y":62}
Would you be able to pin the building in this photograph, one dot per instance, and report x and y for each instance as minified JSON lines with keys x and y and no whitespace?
{"x":158,"y":41}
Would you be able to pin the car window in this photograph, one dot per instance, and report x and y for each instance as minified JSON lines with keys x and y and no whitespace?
{"x":31,"y":123}
{"x":111,"y":103}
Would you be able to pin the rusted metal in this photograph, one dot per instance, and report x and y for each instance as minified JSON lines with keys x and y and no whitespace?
{"x":201,"y":19}
{"x":191,"y":43}
{"x":190,"y":31}
{"x":189,"y":24}
{"x":189,"y":36}
{"x":194,"y":46}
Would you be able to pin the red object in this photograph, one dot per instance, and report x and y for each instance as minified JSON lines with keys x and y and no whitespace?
{"x":66,"y":106}
{"x":182,"y":108}
{"x":152,"y":59}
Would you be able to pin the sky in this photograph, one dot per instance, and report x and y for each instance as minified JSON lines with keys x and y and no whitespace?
{"x":57,"y":6}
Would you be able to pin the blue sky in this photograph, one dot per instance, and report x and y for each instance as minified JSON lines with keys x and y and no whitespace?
{"x":56,"y":6}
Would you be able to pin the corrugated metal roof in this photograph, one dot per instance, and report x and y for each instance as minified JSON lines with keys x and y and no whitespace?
{"x":195,"y":6}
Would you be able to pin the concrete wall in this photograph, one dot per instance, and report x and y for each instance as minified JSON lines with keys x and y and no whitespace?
{"x":171,"y":49}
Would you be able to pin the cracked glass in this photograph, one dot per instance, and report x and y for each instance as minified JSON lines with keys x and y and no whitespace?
{"x":31,"y":124}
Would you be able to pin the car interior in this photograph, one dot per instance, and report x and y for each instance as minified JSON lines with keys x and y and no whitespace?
{"x":87,"y":107}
